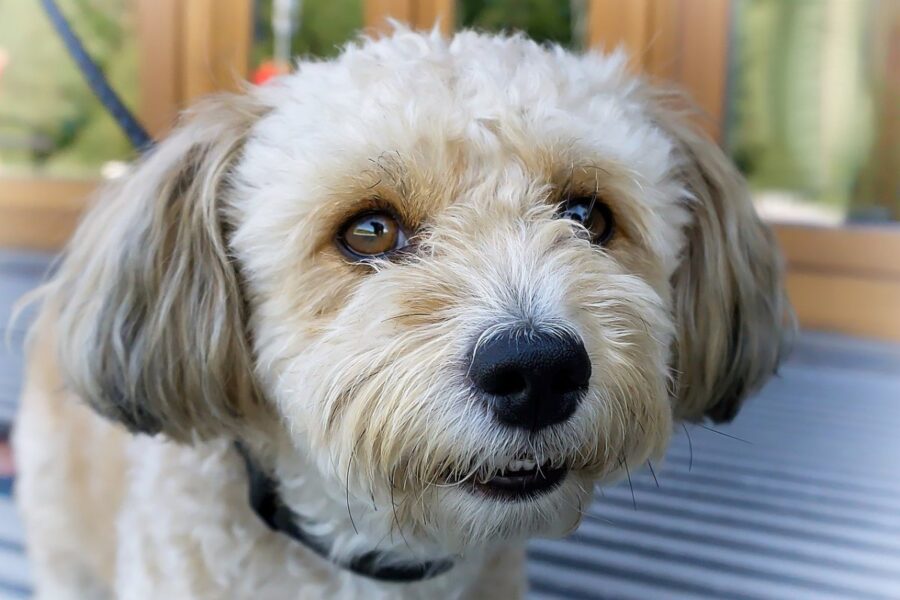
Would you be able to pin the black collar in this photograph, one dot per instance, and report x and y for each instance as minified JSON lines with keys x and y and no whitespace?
{"x":266,"y":503}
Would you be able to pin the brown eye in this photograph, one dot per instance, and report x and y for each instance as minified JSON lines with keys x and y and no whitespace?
{"x":372,"y":235}
{"x":591,"y":212}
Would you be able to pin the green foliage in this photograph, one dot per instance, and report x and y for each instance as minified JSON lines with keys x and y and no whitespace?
{"x":49,"y":120}
{"x":542,"y":20}
{"x":804,"y":107}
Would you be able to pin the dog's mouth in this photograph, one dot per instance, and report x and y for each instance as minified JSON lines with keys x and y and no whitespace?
{"x":521,"y":479}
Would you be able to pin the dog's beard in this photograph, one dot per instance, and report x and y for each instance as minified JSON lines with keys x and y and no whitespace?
{"x":383,"y":395}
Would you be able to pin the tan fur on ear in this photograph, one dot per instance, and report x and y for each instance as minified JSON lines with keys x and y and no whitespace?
{"x":730,"y":306}
{"x":150,"y":317}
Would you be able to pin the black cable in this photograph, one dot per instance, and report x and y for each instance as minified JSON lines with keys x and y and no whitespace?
{"x":97,"y":81}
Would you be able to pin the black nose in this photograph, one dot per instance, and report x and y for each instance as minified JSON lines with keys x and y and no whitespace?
{"x":532,"y":379}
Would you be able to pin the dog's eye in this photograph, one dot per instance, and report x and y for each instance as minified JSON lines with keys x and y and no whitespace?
{"x":372,"y":234}
{"x":591,"y":212}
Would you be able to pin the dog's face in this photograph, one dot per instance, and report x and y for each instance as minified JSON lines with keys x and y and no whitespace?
{"x":470,"y":279}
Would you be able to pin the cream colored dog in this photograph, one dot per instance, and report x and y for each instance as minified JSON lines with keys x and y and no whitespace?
{"x":362,"y":332}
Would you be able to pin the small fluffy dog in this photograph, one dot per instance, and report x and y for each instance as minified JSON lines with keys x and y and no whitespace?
{"x":362,"y":332}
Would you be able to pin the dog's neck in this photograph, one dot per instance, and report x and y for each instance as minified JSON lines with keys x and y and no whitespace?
{"x":266,"y":502}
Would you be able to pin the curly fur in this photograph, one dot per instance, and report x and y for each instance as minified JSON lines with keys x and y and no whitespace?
{"x":203,"y":300}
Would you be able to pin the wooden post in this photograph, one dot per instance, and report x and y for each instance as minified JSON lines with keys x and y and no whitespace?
{"x":429,"y":12}
{"x":703,"y":45}
{"x":662,"y":53}
{"x":613,"y":24}
{"x":683,"y":41}
{"x":187,"y":49}
{"x":377,"y":12}
{"x":216,"y":40}
{"x":158,"y":64}
{"x":419,"y":14}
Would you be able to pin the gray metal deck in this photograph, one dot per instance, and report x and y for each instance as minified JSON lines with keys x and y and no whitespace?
{"x":799,"y":498}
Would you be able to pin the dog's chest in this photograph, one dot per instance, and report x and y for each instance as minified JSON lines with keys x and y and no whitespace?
{"x":187,"y":531}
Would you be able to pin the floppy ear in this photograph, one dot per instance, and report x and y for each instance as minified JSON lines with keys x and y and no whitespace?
{"x":150,"y":324}
{"x":729,"y":302}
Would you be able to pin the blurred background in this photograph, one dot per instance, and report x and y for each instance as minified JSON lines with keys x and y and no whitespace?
{"x":804,"y":95}
{"x":801,"y":496}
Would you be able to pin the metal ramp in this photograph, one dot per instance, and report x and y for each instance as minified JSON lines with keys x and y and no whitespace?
{"x":805,"y":504}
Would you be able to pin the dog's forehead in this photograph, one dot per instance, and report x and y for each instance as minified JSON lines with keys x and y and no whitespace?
{"x":482,"y":98}
{"x":425,"y":123}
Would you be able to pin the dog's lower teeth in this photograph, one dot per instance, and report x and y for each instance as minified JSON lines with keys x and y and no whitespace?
{"x":515,"y":467}
{"x":521,"y":465}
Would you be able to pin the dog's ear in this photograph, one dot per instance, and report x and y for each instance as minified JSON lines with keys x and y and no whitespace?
{"x":731,"y":313}
{"x":151,"y":329}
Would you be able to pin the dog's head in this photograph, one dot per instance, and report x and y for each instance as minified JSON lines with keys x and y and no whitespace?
{"x":471,"y":276}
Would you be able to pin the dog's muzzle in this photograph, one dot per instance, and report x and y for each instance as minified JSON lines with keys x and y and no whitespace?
{"x":531,"y":379}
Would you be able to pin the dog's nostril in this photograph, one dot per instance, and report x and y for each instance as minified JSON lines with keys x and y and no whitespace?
{"x":531,"y":381}
{"x":571,"y":381}
{"x":504,"y":382}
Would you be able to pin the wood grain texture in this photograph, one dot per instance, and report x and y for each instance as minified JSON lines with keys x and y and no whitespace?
{"x":682,"y":41}
{"x":703,"y":49}
{"x":159,"y":55}
{"x":40,"y":214}
{"x":869,"y":252}
{"x":846,"y":304}
{"x":613,"y":24}
{"x":663,"y":50}
{"x":431,"y":12}
{"x":377,"y":12}
{"x":216,"y":37}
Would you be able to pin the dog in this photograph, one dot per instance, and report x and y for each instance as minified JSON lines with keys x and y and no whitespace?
{"x":363,"y":331}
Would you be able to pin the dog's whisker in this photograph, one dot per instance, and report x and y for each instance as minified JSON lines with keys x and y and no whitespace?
{"x":349,"y":511}
{"x":690,"y":448}
{"x":722,"y":433}
{"x":624,"y":462}
{"x":347,"y":485}
{"x":396,"y":518}
{"x":598,"y":519}
{"x":652,"y":472}
{"x":381,"y":540}
{"x":394,"y":521}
